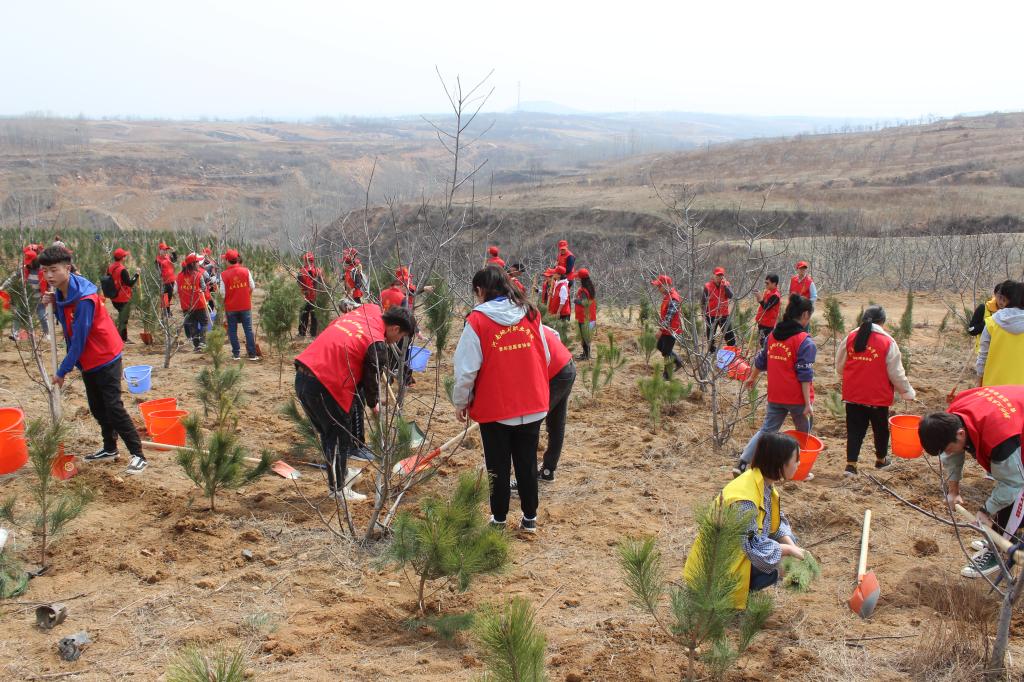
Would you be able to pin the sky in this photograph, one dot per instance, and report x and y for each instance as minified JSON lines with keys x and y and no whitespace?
{"x":301,"y":59}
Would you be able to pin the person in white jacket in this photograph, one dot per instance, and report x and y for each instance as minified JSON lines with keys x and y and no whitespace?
{"x":872,"y":371}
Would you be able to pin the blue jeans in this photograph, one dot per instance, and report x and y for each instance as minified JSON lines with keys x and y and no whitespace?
{"x":774,"y":418}
{"x":760,"y":580}
{"x":243,"y":317}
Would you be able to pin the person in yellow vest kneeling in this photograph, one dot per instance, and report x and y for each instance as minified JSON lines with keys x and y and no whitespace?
{"x":1002,"y":340}
{"x":770,"y":537}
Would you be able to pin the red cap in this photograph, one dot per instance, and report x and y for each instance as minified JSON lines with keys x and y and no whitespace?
{"x":30,"y":255}
{"x":559,"y":270}
{"x":190,"y":259}
{"x":230,"y":254}
{"x":549,"y":272}
{"x":662,"y":279}
{"x":492,"y":250}
{"x":402,"y":272}
{"x":120,"y":253}
{"x":719,"y":271}
{"x":583,"y":272}
{"x":801,"y":264}
{"x":206,"y":251}
{"x":164,"y":246}
{"x":307,"y":256}
{"x":563,"y":244}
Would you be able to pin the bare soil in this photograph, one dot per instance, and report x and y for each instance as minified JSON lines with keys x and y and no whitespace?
{"x":149,"y":569}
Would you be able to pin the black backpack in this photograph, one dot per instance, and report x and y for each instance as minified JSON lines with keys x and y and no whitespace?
{"x":108,"y":286}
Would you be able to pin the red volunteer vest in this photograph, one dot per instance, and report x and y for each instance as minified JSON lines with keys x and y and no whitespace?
{"x":545,"y":294}
{"x":562,"y":260}
{"x":495,"y":260}
{"x":718,"y":304}
{"x":768,"y":318}
{"x":675,"y":324}
{"x":190,"y":290}
{"x":124,"y":294}
{"x":308,"y":277}
{"x":390,"y":297}
{"x":865,"y":376}
{"x":783,"y":386}
{"x":560,"y":355}
{"x":553,"y":305}
{"x":336,"y":356}
{"x":104,"y":341}
{"x":237,"y":294}
{"x":166,"y":269}
{"x":803,"y":288}
{"x":586,"y":307}
{"x":991,"y":414}
{"x":350,"y":281}
{"x":513,"y":377}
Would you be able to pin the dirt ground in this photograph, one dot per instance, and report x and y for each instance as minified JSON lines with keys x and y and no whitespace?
{"x":149,"y":569}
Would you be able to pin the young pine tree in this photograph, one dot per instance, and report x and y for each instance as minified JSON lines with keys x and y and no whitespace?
{"x":220,"y":388}
{"x":440,"y":311}
{"x":834,"y":320}
{"x":194,"y":665}
{"x":646,"y":313}
{"x":703,"y":615}
{"x":278,"y":314}
{"x":648,"y":342}
{"x":513,"y":646}
{"x":219,"y":463}
{"x":449,"y":538}
{"x":57,"y":504}
{"x":659,"y":392}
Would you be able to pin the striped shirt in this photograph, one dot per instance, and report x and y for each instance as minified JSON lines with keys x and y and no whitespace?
{"x":763,"y":549}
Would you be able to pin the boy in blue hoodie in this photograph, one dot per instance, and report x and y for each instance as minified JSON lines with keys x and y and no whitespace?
{"x":94,"y":346}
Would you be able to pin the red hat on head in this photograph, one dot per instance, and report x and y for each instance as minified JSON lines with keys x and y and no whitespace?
{"x":120,"y":253}
{"x":801,"y":264}
{"x":549,"y":272}
{"x":662,"y":279}
{"x":307,"y":256}
{"x":563,"y":244}
{"x":402,"y":272}
{"x":583,"y":272}
{"x":559,"y":270}
{"x":163,"y":246}
{"x":492,"y":250}
{"x":230,"y":254}
{"x":190,"y":259}
{"x":719,"y":271}
{"x":206,"y":251}
{"x":30,"y":255}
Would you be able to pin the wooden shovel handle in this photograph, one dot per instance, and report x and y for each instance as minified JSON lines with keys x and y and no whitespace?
{"x":862,"y":564}
{"x":1002,"y":543}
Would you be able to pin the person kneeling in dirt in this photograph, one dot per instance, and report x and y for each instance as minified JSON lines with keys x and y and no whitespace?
{"x":986,"y":422}
{"x":350,"y":353}
{"x":94,"y":346}
{"x":769,"y":537}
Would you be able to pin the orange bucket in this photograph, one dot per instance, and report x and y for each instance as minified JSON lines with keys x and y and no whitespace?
{"x":165,"y":426}
{"x":13,"y":448}
{"x":810,"y":448}
{"x":905,"y":441}
{"x":147,"y":408}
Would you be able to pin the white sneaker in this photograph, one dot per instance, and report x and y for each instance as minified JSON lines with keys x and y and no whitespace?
{"x":137,"y":465}
{"x":353,"y":496}
{"x":979,"y":545}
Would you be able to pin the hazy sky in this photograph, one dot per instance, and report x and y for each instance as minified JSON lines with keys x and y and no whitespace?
{"x":897,"y":58}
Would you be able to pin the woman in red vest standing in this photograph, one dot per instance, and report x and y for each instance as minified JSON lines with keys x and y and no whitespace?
{"x":310,"y":278}
{"x":716,"y":297}
{"x":586,"y":311}
{"x":788,"y":358}
{"x":124,"y":282}
{"x":768,"y":306}
{"x":670,"y":322}
{"x":192,"y":296}
{"x":237,"y":285}
{"x":166,"y":257}
{"x":355,"y":284}
{"x":501,"y":381}
{"x":872,"y":371}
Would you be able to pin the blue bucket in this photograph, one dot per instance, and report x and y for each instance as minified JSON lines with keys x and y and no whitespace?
{"x":418,"y":358}
{"x":138,"y":378}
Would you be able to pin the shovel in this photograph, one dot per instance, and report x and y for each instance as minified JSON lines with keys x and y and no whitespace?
{"x":417,"y":463}
{"x":279,"y":467}
{"x":865,"y":596}
{"x":1002,"y":543}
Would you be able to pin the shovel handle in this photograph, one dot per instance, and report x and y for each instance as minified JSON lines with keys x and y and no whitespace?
{"x":1002,"y":543}
{"x":862,"y":564}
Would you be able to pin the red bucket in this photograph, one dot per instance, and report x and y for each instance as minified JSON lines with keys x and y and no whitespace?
{"x":906,"y":443}
{"x":150,"y":406}
{"x":13,"y":448}
{"x":166,"y":426}
{"x":810,"y":448}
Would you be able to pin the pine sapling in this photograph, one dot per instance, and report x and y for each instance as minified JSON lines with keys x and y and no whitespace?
{"x":440,"y":308}
{"x":834,"y":320}
{"x":449,"y":539}
{"x":278,"y":314}
{"x":307,"y":444}
{"x":219,"y":463}
{"x":906,"y":327}
{"x":513,"y":645}
{"x":648,"y":342}
{"x":660,"y":392}
{"x":834,"y":405}
{"x":195,"y":665}
{"x":220,"y":388}
{"x":646,"y":313}
{"x":800,"y":573}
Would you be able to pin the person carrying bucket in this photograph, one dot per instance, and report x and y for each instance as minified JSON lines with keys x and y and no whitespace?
{"x":715,"y":298}
{"x":123,"y":285}
{"x":788,"y":358}
{"x":192,"y":296}
{"x":237,"y":285}
{"x":586,"y":311}
{"x":94,"y":347}
{"x":1001,"y":350}
{"x":310,"y":279}
{"x":670,"y":322}
{"x":768,"y":305}
{"x":348,"y":356}
{"x":986,"y":422}
{"x":871,"y":367}
{"x":166,"y":257}
{"x":770,"y":537}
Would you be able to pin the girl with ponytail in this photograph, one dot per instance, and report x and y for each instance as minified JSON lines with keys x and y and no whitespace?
{"x":872,"y":371}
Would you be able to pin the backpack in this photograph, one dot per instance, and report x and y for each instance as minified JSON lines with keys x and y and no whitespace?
{"x":108,"y":286}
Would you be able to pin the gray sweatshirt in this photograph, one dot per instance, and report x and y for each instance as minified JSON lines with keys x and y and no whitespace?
{"x":1010,"y":320}
{"x":469,"y":356}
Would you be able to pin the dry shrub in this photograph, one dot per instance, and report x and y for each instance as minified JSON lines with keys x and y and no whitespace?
{"x":956,"y":646}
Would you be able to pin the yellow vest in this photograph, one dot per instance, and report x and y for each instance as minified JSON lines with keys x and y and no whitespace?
{"x":990,"y":307}
{"x":1004,"y":365}
{"x":748,"y":486}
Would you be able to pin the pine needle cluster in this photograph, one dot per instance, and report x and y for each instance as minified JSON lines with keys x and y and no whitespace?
{"x":607,"y":360}
{"x":648,"y":342}
{"x":440,"y":308}
{"x":220,"y":388}
{"x":278,"y":315}
{"x":194,"y":665}
{"x":218,"y":463}
{"x":513,"y":646}
{"x":800,"y":573}
{"x":660,"y":392}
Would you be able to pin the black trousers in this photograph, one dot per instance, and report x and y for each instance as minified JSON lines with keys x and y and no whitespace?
{"x":857,"y":419}
{"x":358,"y":428}
{"x":124,"y":311}
{"x":585,"y":339}
{"x":103,"y":391}
{"x":507,"y":447}
{"x":712,"y":324}
{"x":559,"y":389}
{"x":195,"y":326}
{"x":307,"y":320}
{"x":168,"y":296}
{"x":666,"y":342}
{"x":331,"y":423}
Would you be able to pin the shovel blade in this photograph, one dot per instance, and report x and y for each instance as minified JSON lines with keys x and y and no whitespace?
{"x":865,"y":597}
{"x":284,"y":470}
{"x":417,"y":436}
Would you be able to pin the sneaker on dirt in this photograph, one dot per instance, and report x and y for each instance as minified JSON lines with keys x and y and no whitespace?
{"x":101,"y":454}
{"x":255,"y":358}
{"x":137,"y":465}
{"x":979,"y":545}
{"x":236,"y":357}
{"x":883,"y":464}
{"x":528,"y":525}
{"x":545,"y":475}
{"x":985,"y":564}
{"x":851,"y":470}
{"x":498,"y":524}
